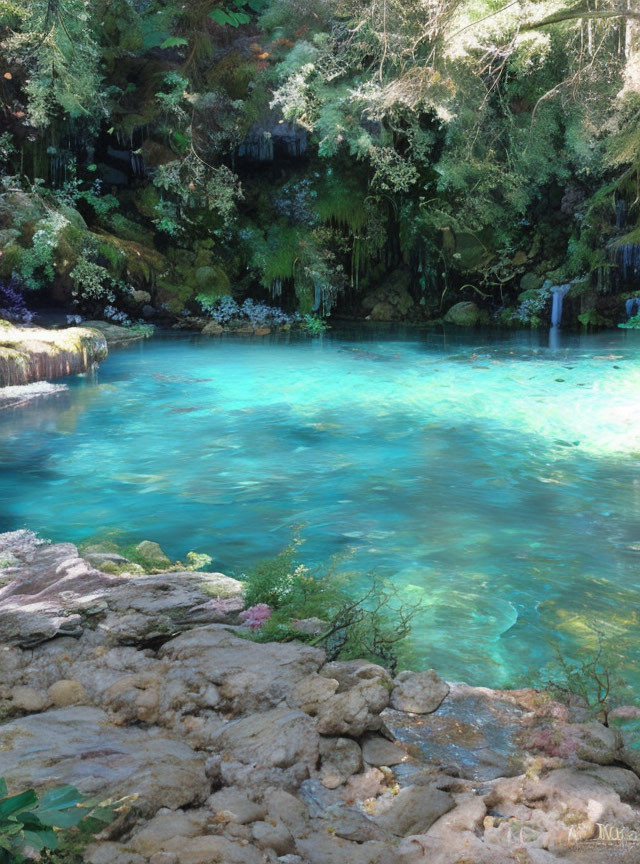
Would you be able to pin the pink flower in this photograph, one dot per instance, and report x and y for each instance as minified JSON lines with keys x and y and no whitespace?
{"x":255,"y":616}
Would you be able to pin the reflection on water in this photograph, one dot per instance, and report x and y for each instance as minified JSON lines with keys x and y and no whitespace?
{"x":497,"y":477}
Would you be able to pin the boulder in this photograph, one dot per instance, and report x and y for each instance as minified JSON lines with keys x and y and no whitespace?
{"x":464,"y":314}
{"x":310,"y":692}
{"x":114,"y":333}
{"x":276,"y":747}
{"x":418,"y":692}
{"x":413,"y":810}
{"x":355,"y":711}
{"x":249,"y":676}
{"x":213,"y":329}
{"x":235,"y":805}
{"x":378,"y":751}
{"x":348,"y":673}
{"x":152,"y":552}
{"x":50,"y":591}
{"x":340,"y":758}
{"x":78,"y":746}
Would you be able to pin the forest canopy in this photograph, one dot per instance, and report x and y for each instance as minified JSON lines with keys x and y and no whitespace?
{"x":313,"y":152}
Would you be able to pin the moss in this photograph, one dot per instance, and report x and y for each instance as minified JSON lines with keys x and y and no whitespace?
{"x":213,"y":281}
{"x":71,"y":243}
{"x":10,"y":259}
{"x":146,"y":201}
{"x":234,"y":73}
{"x":130,"y":230}
{"x":142,"y":263}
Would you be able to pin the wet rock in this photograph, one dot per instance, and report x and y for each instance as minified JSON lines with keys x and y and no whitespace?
{"x":114,"y":334}
{"x":474,"y":732}
{"x":78,"y":746}
{"x":378,"y":751}
{"x":464,"y":314}
{"x":152,"y":552}
{"x":418,"y":692}
{"x":29,"y":354}
{"x":213,"y":329}
{"x":355,"y":711}
{"x":340,"y":758}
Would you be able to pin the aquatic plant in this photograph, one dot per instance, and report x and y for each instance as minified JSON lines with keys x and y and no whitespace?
{"x":314,"y":325}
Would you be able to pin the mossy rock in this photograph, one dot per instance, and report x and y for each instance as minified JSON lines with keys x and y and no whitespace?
{"x":130,"y":230}
{"x":73,"y":216}
{"x":466,"y":314}
{"x":70,"y":244}
{"x":142,"y":263}
{"x":146,"y":200}
{"x":531,"y":282}
{"x":213,"y":281}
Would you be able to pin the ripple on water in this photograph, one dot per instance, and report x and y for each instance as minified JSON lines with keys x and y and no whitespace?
{"x":495,"y":478}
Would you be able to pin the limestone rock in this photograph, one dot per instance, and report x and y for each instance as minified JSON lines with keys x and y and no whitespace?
{"x":413,"y":810}
{"x":378,"y":751}
{"x":77,"y":746}
{"x":310,"y":692}
{"x":348,"y":673}
{"x":418,"y":692}
{"x":235,"y":805}
{"x":213,"y":329}
{"x":340,"y":758}
{"x":67,"y":692}
{"x":355,"y":711}
{"x":51,"y":591}
{"x":28,"y":699}
{"x":249,"y":676}
{"x":29,"y":354}
{"x":114,"y":333}
{"x":278,"y":747}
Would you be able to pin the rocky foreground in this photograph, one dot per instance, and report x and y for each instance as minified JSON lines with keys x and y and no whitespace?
{"x":232,"y":751}
{"x":29,"y":354}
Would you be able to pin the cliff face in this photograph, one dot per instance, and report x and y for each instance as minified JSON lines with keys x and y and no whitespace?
{"x":29,"y":354}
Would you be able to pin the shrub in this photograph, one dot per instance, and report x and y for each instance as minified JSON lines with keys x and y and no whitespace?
{"x":373,"y":624}
{"x":12,"y":303}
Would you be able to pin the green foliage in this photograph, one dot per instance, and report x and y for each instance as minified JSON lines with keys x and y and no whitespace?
{"x":374,"y":624}
{"x":632,"y":324}
{"x":591,"y":680}
{"x":314,"y":325}
{"x":29,"y":821}
{"x":37,"y":262}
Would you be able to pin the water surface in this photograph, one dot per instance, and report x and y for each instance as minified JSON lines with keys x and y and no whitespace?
{"x":494,"y":476}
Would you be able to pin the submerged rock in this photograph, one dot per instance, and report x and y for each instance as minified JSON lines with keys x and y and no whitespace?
{"x":114,"y":334}
{"x":29,"y":354}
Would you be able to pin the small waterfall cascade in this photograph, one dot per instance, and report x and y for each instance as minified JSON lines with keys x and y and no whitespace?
{"x":558,"y":292}
{"x":632,"y":307}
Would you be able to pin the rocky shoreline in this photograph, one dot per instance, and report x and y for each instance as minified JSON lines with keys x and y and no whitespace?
{"x":227,"y":750}
{"x":30,"y":354}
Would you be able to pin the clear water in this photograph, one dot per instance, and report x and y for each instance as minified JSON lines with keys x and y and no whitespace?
{"x":494,"y":476}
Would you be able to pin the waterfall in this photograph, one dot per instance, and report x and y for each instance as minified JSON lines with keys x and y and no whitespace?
{"x":558,"y":292}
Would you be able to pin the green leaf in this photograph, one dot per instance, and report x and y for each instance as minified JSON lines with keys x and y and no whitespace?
{"x":17,"y":803}
{"x":220,"y":17}
{"x":174,"y":42}
{"x":41,"y":839}
{"x":242,"y":17}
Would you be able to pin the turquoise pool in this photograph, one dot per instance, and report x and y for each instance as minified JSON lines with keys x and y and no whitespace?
{"x":494,"y":476}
